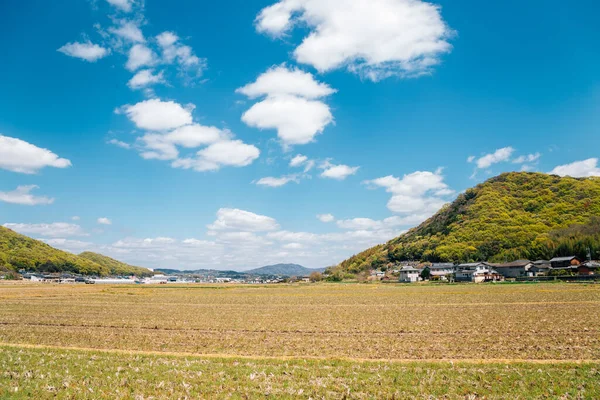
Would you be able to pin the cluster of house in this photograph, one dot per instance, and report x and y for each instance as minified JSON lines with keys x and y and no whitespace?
{"x":491,"y":272}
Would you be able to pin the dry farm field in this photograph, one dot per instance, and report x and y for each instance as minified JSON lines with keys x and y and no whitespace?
{"x":306,"y":341}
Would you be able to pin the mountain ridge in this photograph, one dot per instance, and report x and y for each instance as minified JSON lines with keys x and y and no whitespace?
{"x":511,"y":216}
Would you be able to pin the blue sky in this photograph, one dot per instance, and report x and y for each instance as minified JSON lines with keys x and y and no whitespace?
{"x":189,"y":134}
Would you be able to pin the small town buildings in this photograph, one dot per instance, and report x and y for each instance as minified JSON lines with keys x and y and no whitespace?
{"x":540,"y":268}
{"x":589,"y":268}
{"x":565,"y":262}
{"x":515,"y":269}
{"x":409,"y":274}
{"x":441,"y":271}
{"x":477,"y":272}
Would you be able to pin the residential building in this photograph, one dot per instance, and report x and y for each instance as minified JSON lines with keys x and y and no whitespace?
{"x":477,"y":272}
{"x":565,"y":262}
{"x":515,"y":269}
{"x":409,"y":274}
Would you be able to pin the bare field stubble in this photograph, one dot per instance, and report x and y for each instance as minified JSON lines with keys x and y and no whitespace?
{"x":338,"y":338}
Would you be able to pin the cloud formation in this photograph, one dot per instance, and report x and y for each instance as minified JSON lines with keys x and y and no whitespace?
{"x":22,"y":195}
{"x":19,"y":156}
{"x":578,"y":169}
{"x":375,"y":39}
{"x":56,"y":229}
{"x":291,"y":105}
{"x":87,"y":51}
{"x":338,"y":172}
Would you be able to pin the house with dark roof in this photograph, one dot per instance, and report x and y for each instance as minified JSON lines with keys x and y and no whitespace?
{"x":515,"y":269}
{"x":589,"y":268}
{"x":409,"y":274}
{"x":565,"y":262}
{"x":477,"y":272}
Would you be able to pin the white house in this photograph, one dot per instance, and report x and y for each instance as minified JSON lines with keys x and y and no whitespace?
{"x":409,"y":274}
{"x":477,"y":272}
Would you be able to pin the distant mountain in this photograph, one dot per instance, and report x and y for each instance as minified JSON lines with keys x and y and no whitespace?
{"x":515,"y":215}
{"x":115,"y":267}
{"x":269,"y":270}
{"x":283,"y":270}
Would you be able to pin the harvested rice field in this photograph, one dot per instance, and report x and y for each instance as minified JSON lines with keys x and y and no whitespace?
{"x":300,"y":341}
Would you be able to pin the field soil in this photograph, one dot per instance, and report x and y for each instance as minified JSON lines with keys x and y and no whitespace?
{"x":309,"y":341}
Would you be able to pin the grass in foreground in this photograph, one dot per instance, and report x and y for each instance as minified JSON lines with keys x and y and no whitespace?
{"x":43,"y":373}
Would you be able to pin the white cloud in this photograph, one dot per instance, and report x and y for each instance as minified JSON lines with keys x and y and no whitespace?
{"x":298,"y":160}
{"x":325,"y":218}
{"x":19,"y":156}
{"x":140,"y":56}
{"x":418,"y":194}
{"x":277,"y":182}
{"x":280,"y":80}
{"x":129,"y":31}
{"x":339,"y":172}
{"x":527,"y":158}
{"x":359,"y":224}
{"x":57,"y":229}
{"x":75,"y":218}
{"x":123,"y":5}
{"x":471,"y":159}
{"x":22,"y":195}
{"x":239,"y":220}
{"x":190,"y":65}
{"x":120,"y":144}
{"x":154,"y":146}
{"x":145,"y":78}
{"x":578,"y":169}
{"x":291,"y":105}
{"x":233,"y":153}
{"x":157,"y":115}
{"x":104,"y":221}
{"x":500,"y":155}
{"x":191,"y":136}
{"x":373,"y":38}
{"x":87,"y":51}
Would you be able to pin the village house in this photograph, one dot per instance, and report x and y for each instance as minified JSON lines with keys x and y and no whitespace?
{"x":409,"y":274}
{"x":477,"y":272}
{"x":540,"y":268}
{"x":565,"y":262}
{"x":515,"y":269}
{"x":589,"y":268}
{"x":441,"y":271}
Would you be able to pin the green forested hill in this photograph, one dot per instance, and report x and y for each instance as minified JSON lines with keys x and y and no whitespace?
{"x":21,"y":252}
{"x":115,"y":267}
{"x":512,"y":216}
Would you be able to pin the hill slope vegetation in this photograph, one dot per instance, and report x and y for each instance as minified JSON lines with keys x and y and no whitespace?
{"x":115,"y":267}
{"x":21,"y":252}
{"x":512,"y":216}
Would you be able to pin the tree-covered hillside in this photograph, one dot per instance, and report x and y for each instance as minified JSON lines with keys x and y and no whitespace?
{"x":21,"y":252}
{"x":115,"y":267}
{"x":512,"y":216}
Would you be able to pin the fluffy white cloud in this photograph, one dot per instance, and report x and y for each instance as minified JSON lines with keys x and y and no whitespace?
{"x":57,"y":229}
{"x":192,"y":136}
{"x":140,"y":56}
{"x":291,"y":105}
{"x":529,"y":158}
{"x":578,"y":169}
{"x":277,"y":182}
{"x":145,"y":78}
{"x":19,"y":156}
{"x":232,"y":219}
{"x":22,"y":195}
{"x":500,"y":155}
{"x":157,"y":115}
{"x":281,"y":80}
{"x":87,"y":51}
{"x":129,"y":31}
{"x":418,"y":193}
{"x":123,"y":5}
{"x":325,"y":218}
{"x":373,"y":38}
{"x":233,"y":153}
{"x":154,"y":146}
{"x":104,"y":221}
{"x":339,"y":172}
